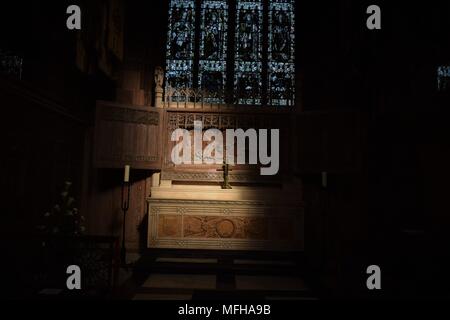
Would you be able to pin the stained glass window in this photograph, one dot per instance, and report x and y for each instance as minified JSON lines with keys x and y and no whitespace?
{"x":181,"y":44}
{"x":248,"y":52}
{"x":11,"y":64}
{"x":444,"y":78}
{"x":213,"y":49}
{"x":262,"y":59}
{"x":281,"y":55}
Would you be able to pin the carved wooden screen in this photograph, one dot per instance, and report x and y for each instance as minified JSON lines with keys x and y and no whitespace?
{"x":184,"y":119}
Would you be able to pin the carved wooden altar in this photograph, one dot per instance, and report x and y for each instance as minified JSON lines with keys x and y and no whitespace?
{"x":187,"y":207}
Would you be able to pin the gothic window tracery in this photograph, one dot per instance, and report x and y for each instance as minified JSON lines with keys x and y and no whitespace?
{"x":281,"y":69}
{"x":213,"y":49}
{"x":248,"y":52}
{"x":262,"y":60}
{"x":443,"y":78}
{"x":180,"y":44}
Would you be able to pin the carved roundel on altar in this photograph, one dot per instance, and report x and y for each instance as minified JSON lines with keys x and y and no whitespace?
{"x":225,"y":228}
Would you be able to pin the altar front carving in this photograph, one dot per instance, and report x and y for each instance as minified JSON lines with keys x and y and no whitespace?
{"x":208,"y":217}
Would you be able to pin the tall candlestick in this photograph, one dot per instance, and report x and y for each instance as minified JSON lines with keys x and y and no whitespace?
{"x":126,"y":177}
{"x":324,"y":179}
{"x":126,"y":191}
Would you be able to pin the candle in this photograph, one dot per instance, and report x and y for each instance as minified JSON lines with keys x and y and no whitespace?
{"x":324,"y":179}
{"x":126,"y":177}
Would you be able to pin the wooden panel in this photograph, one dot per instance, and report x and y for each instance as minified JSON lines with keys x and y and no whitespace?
{"x":169,"y":226}
{"x":204,"y":227}
{"x":127,"y":135}
{"x":105,"y":216}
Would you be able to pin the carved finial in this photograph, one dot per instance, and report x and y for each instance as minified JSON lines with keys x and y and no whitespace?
{"x":159,"y":76}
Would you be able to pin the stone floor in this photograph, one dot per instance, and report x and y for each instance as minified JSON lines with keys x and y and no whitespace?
{"x":206,"y":279}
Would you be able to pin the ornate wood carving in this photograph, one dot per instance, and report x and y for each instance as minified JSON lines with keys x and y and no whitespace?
{"x":225,"y":228}
{"x":122,"y":114}
{"x":242,"y":177}
{"x":236,"y":225}
{"x":223,"y":121}
{"x":228,"y":119}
